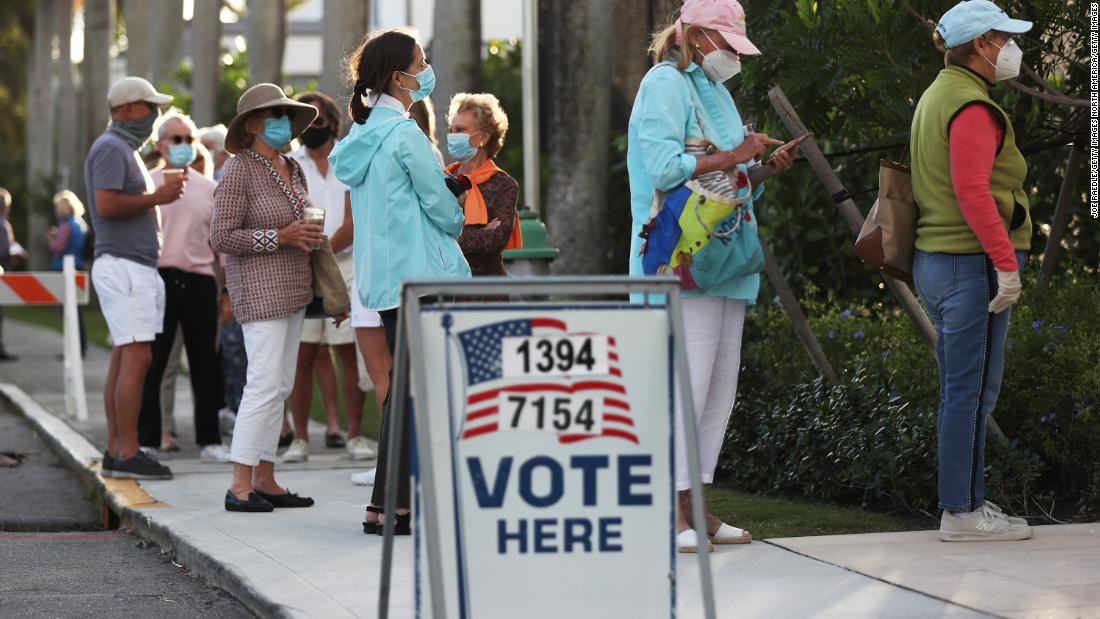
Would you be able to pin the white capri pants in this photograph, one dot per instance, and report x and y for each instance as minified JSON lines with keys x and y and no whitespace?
{"x":272,"y":348}
{"x":712,"y":336}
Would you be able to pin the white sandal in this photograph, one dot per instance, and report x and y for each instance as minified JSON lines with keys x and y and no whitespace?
{"x":730,"y":535}
{"x":688,"y":541}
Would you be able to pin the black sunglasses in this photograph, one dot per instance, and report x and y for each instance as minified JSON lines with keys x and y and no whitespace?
{"x":277,"y":112}
{"x":180,"y":139}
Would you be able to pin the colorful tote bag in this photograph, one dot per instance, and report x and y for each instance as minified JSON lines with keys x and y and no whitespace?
{"x":703,"y":232}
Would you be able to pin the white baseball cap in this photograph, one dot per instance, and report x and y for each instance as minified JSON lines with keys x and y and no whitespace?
{"x":132,"y":89}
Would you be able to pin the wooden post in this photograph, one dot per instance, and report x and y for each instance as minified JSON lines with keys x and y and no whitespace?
{"x":854,"y":217}
{"x":794,"y":312}
{"x":1061,"y":215}
{"x":850,"y":212}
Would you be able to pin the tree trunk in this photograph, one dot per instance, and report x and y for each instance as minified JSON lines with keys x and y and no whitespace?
{"x":577,"y":103}
{"x":40,"y":134}
{"x":166,"y":50}
{"x":138,"y":17}
{"x":69,"y":157}
{"x":637,"y":21}
{"x":99,"y":31}
{"x":206,"y":31}
{"x":455,"y":55}
{"x":266,"y":39}
{"x":345,"y":24}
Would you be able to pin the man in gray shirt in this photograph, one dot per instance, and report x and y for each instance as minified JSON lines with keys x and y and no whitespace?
{"x":123,"y":208}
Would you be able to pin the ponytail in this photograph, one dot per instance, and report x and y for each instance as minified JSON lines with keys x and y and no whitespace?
{"x":372,"y":64}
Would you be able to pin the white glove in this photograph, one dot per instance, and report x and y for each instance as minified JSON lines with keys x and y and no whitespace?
{"x":1008,"y":291}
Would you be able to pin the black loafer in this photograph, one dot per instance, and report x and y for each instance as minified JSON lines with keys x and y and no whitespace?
{"x":288,"y":499}
{"x":255,"y":503}
{"x":402,"y":525}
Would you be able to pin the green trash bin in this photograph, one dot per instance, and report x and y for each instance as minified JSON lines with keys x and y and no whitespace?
{"x":535,"y":256}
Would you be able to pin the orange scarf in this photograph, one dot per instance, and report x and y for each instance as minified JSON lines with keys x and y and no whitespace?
{"x":476,"y":212}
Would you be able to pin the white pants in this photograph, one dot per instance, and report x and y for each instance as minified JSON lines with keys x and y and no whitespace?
{"x":272,"y":349}
{"x":712,"y":336}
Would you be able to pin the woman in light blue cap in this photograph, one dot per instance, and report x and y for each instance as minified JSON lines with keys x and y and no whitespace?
{"x":972,"y":233}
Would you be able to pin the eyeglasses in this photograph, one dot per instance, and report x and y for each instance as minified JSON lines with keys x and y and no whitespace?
{"x":180,"y":139}
{"x":278,"y":112}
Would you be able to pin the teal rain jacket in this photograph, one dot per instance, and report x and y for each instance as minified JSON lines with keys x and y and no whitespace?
{"x":667,"y":111}
{"x":406,"y":220}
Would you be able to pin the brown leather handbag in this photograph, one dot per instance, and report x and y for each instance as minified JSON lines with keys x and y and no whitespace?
{"x":889,"y":233}
{"x":330,"y":293}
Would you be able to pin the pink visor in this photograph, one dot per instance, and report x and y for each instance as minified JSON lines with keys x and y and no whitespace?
{"x":725,"y":16}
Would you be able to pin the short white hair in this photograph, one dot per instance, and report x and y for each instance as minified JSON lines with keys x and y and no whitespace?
{"x":175,"y":114}
{"x":215,"y":134}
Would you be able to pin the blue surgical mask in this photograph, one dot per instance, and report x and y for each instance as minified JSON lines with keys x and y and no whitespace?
{"x":181,"y":155}
{"x":458,"y":145}
{"x":276,"y":132}
{"x":426,"y":79}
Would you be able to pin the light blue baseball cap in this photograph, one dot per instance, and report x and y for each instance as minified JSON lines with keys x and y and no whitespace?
{"x":970,"y":18}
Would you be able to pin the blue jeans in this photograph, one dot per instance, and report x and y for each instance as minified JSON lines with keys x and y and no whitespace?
{"x":970,"y":347}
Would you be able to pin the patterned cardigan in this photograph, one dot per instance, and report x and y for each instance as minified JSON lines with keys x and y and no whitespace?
{"x":483,"y":247}
{"x":251,"y":204}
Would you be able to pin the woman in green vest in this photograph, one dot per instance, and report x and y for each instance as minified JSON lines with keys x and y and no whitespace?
{"x":972,"y":234}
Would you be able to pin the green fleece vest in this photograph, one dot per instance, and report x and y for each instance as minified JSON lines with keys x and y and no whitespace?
{"x":941,"y":227}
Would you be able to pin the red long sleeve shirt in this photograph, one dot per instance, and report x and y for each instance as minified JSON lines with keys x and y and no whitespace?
{"x":974,"y":137}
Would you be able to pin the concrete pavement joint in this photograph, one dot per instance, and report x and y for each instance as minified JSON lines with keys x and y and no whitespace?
{"x":84,"y":459}
{"x":883,"y":580}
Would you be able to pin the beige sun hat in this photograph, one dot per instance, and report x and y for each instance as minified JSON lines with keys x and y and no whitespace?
{"x":263,"y":96}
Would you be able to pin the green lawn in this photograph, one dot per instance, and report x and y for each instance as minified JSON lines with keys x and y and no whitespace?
{"x":771,"y":516}
{"x":50,"y":317}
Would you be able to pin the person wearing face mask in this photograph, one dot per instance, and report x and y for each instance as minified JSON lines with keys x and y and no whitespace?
{"x":320,"y":337}
{"x":406,"y":220}
{"x":477,"y":128}
{"x":187,"y":268}
{"x":973,"y":230}
{"x":684,"y":127}
{"x":123,"y":204}
{"x":259,"y":223}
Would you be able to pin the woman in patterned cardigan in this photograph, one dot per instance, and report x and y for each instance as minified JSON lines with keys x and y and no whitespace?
{"x":258,"y":207}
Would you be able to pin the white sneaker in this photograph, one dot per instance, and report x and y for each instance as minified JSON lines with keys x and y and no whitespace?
{"x":214,"y":453}
{"x":297,"y":452}
{"x":1012,"y":519}
{"x":359,"y":448}
{"x":364,"y":478}
{"x":982,"y":524}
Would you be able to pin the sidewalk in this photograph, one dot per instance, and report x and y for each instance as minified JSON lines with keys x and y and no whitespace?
{"x":317,"y":563}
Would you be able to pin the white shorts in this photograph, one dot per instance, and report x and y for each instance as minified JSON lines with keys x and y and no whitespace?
{"x":322,"y":330}
{"x":131,"y":296}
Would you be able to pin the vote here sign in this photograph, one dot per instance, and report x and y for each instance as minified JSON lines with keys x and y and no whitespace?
{"x":551,"y":454}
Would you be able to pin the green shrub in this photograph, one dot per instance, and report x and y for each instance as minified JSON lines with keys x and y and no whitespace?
{"x":871,"y":438}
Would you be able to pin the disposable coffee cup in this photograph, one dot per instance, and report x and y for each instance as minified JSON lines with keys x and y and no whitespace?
{"x":314,"y":216}
{"x":172,"y":173}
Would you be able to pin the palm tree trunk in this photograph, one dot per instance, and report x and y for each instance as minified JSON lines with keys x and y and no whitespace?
{"x":578,"y":104}
{"x":138,"y":17}
{"x":166,"y":50}
{"x":206,"y":30}
{"x":69,"y":156}
{"x":99,"y":31}
{"x":266,"y":39}
{"x":455,"y":55}
{"x":345,"y":23}
{"x":40,"y":133}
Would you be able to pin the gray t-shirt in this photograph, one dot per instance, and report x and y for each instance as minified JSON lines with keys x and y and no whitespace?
{"x":113,"y":164}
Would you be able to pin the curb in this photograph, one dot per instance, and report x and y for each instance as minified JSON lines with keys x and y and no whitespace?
{"x":128,"y":502}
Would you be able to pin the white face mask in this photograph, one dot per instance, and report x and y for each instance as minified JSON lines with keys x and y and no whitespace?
{"x":720,"y":64}
{"x":1008,"y":61}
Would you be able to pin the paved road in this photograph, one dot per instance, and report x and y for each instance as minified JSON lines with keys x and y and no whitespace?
{"x":53,"y":563}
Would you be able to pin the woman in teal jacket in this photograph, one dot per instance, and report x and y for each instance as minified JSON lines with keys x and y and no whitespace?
{"x":683,"y":106}
{"x":406,"y":221}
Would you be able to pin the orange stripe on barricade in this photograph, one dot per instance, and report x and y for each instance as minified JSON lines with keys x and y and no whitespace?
{"x":30,"y":290}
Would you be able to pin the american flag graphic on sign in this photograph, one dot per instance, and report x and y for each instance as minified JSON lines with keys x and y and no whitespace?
{"x":485,"y":382}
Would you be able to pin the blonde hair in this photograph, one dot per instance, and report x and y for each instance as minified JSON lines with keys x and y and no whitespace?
{"x":66,"y":201}
{"x":664,"y":46}
{"x":488,"y":114}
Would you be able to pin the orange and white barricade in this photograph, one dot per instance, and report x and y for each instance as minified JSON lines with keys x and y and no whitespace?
{"x":68,"y":289}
